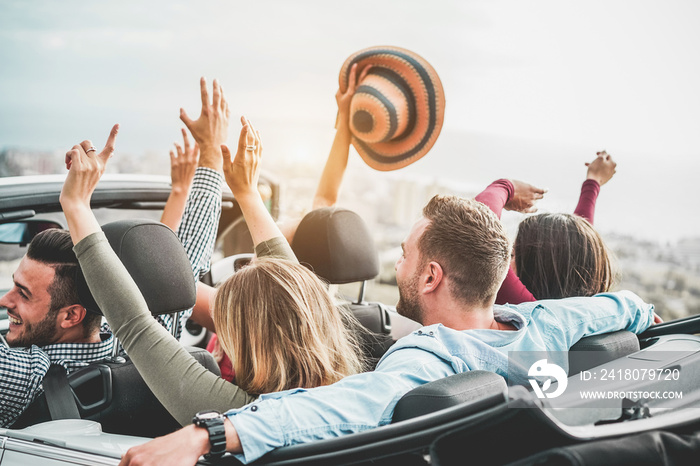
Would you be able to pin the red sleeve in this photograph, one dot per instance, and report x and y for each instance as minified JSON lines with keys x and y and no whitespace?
{"x":586,"y":202}
{"x":496,"y":195}
{"x":513,"y":291}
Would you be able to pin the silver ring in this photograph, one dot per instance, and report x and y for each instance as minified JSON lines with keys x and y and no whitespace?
{"x":251,"y":148}
{"x":91,"y":149}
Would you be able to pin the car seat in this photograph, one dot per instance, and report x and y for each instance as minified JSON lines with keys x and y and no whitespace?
{"x":336,"y":244}
{"x":112,"y":392}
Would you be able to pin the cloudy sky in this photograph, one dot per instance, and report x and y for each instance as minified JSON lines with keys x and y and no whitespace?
{"x":533,"y":88}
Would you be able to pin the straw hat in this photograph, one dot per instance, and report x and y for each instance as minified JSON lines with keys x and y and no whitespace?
{"x":397,"y":111}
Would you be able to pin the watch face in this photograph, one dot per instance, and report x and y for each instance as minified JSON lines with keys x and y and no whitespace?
{"x":208,"y":415}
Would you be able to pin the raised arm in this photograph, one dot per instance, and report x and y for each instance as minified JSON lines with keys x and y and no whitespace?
{"x":511,"y":195}
{"x":85,"y":168}
{"x":328,"y":188}
{"x":182,"y":167}
{"x":519,"y":196}
{"x":171,"y":373}
{"x":600,"y":171}
{"x":332,"y":176}
{"x":210,"y":130}
{"x":197,"y":232}
{"x":242,"y":173}
{"x":202,"y":210}
{"x":496,"y":195}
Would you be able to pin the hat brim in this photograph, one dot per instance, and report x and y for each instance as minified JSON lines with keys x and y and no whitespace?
{"x":427,"y":99}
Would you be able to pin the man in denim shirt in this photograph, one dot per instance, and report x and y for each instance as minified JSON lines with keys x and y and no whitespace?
{"x":453,"y":262}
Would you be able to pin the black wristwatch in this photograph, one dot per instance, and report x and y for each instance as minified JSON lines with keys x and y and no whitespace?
{"x":213,"y":421}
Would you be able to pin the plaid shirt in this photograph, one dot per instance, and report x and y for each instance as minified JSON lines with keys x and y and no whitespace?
{"x":197,"y":230}
{"x":22,"y":370}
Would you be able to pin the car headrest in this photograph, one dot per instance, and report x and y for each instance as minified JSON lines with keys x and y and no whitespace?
{"x":594,"y":350}
{"x":482,"y":389}
{"x":157,"y":262}
{"x":337,"y":245}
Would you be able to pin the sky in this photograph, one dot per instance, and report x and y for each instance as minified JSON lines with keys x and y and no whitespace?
{"x":533,"y":88}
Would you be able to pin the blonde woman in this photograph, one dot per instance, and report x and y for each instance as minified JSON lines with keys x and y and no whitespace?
{"x":283,"y":331}
{"x":326,"y":195}
{"x":276,"y":320}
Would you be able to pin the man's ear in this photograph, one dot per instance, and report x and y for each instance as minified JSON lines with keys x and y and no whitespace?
{"x":432,"y":278}
{"x":70,"y":316}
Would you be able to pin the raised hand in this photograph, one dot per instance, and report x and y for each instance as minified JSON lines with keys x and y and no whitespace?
{"x":85,"y":168}
{"x":344,"y":98}
{"x":242,"y":174}
{"x":182,"y":169}
{"x":183,"y":164}
{"x":243,"y":171}
{"x":210,"y":130}
{"x":524,"y":197}
{"x":329,"y":185}
{"x":601,"y":169}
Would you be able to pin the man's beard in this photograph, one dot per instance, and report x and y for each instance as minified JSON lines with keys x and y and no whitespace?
{"x":41,"y":334}
{"x":409,"y":304}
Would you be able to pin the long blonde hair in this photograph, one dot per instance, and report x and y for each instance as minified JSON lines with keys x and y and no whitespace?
{"x":277,"y":322}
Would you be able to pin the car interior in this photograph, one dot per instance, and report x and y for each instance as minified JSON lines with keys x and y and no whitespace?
{"x":472,"y":411}
{"x":112,"y":392}
{"x":332,"y":241}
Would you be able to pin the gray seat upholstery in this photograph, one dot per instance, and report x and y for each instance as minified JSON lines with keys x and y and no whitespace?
{"x":157,"y":262}
{"x":481,"y":389}
{"x":595,"y":350}
{"x":337,"y":245}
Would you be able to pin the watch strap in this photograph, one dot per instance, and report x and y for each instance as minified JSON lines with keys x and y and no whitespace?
{"x":217,"y":435}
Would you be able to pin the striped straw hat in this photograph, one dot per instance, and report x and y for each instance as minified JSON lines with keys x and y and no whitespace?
{"x":397,"y":111}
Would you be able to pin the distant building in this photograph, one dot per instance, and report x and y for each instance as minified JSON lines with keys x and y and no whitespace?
{"x":688,"y":251}
{"x":15,"y":162}
{"x":23,"y":162}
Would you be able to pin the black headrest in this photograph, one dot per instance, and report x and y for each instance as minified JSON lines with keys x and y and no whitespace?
{"x":337,"y":245}
{"x":481,"y":388}
{"x":157,"y":262}
{"x":594,"y":350}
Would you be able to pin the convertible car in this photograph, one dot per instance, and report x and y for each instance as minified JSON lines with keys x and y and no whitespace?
{"x":649,"y":410}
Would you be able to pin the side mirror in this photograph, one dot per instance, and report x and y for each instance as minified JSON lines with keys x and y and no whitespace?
{"x":22,"y":232}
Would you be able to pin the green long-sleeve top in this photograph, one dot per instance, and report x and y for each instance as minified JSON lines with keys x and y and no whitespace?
{"x":181,"y":383}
